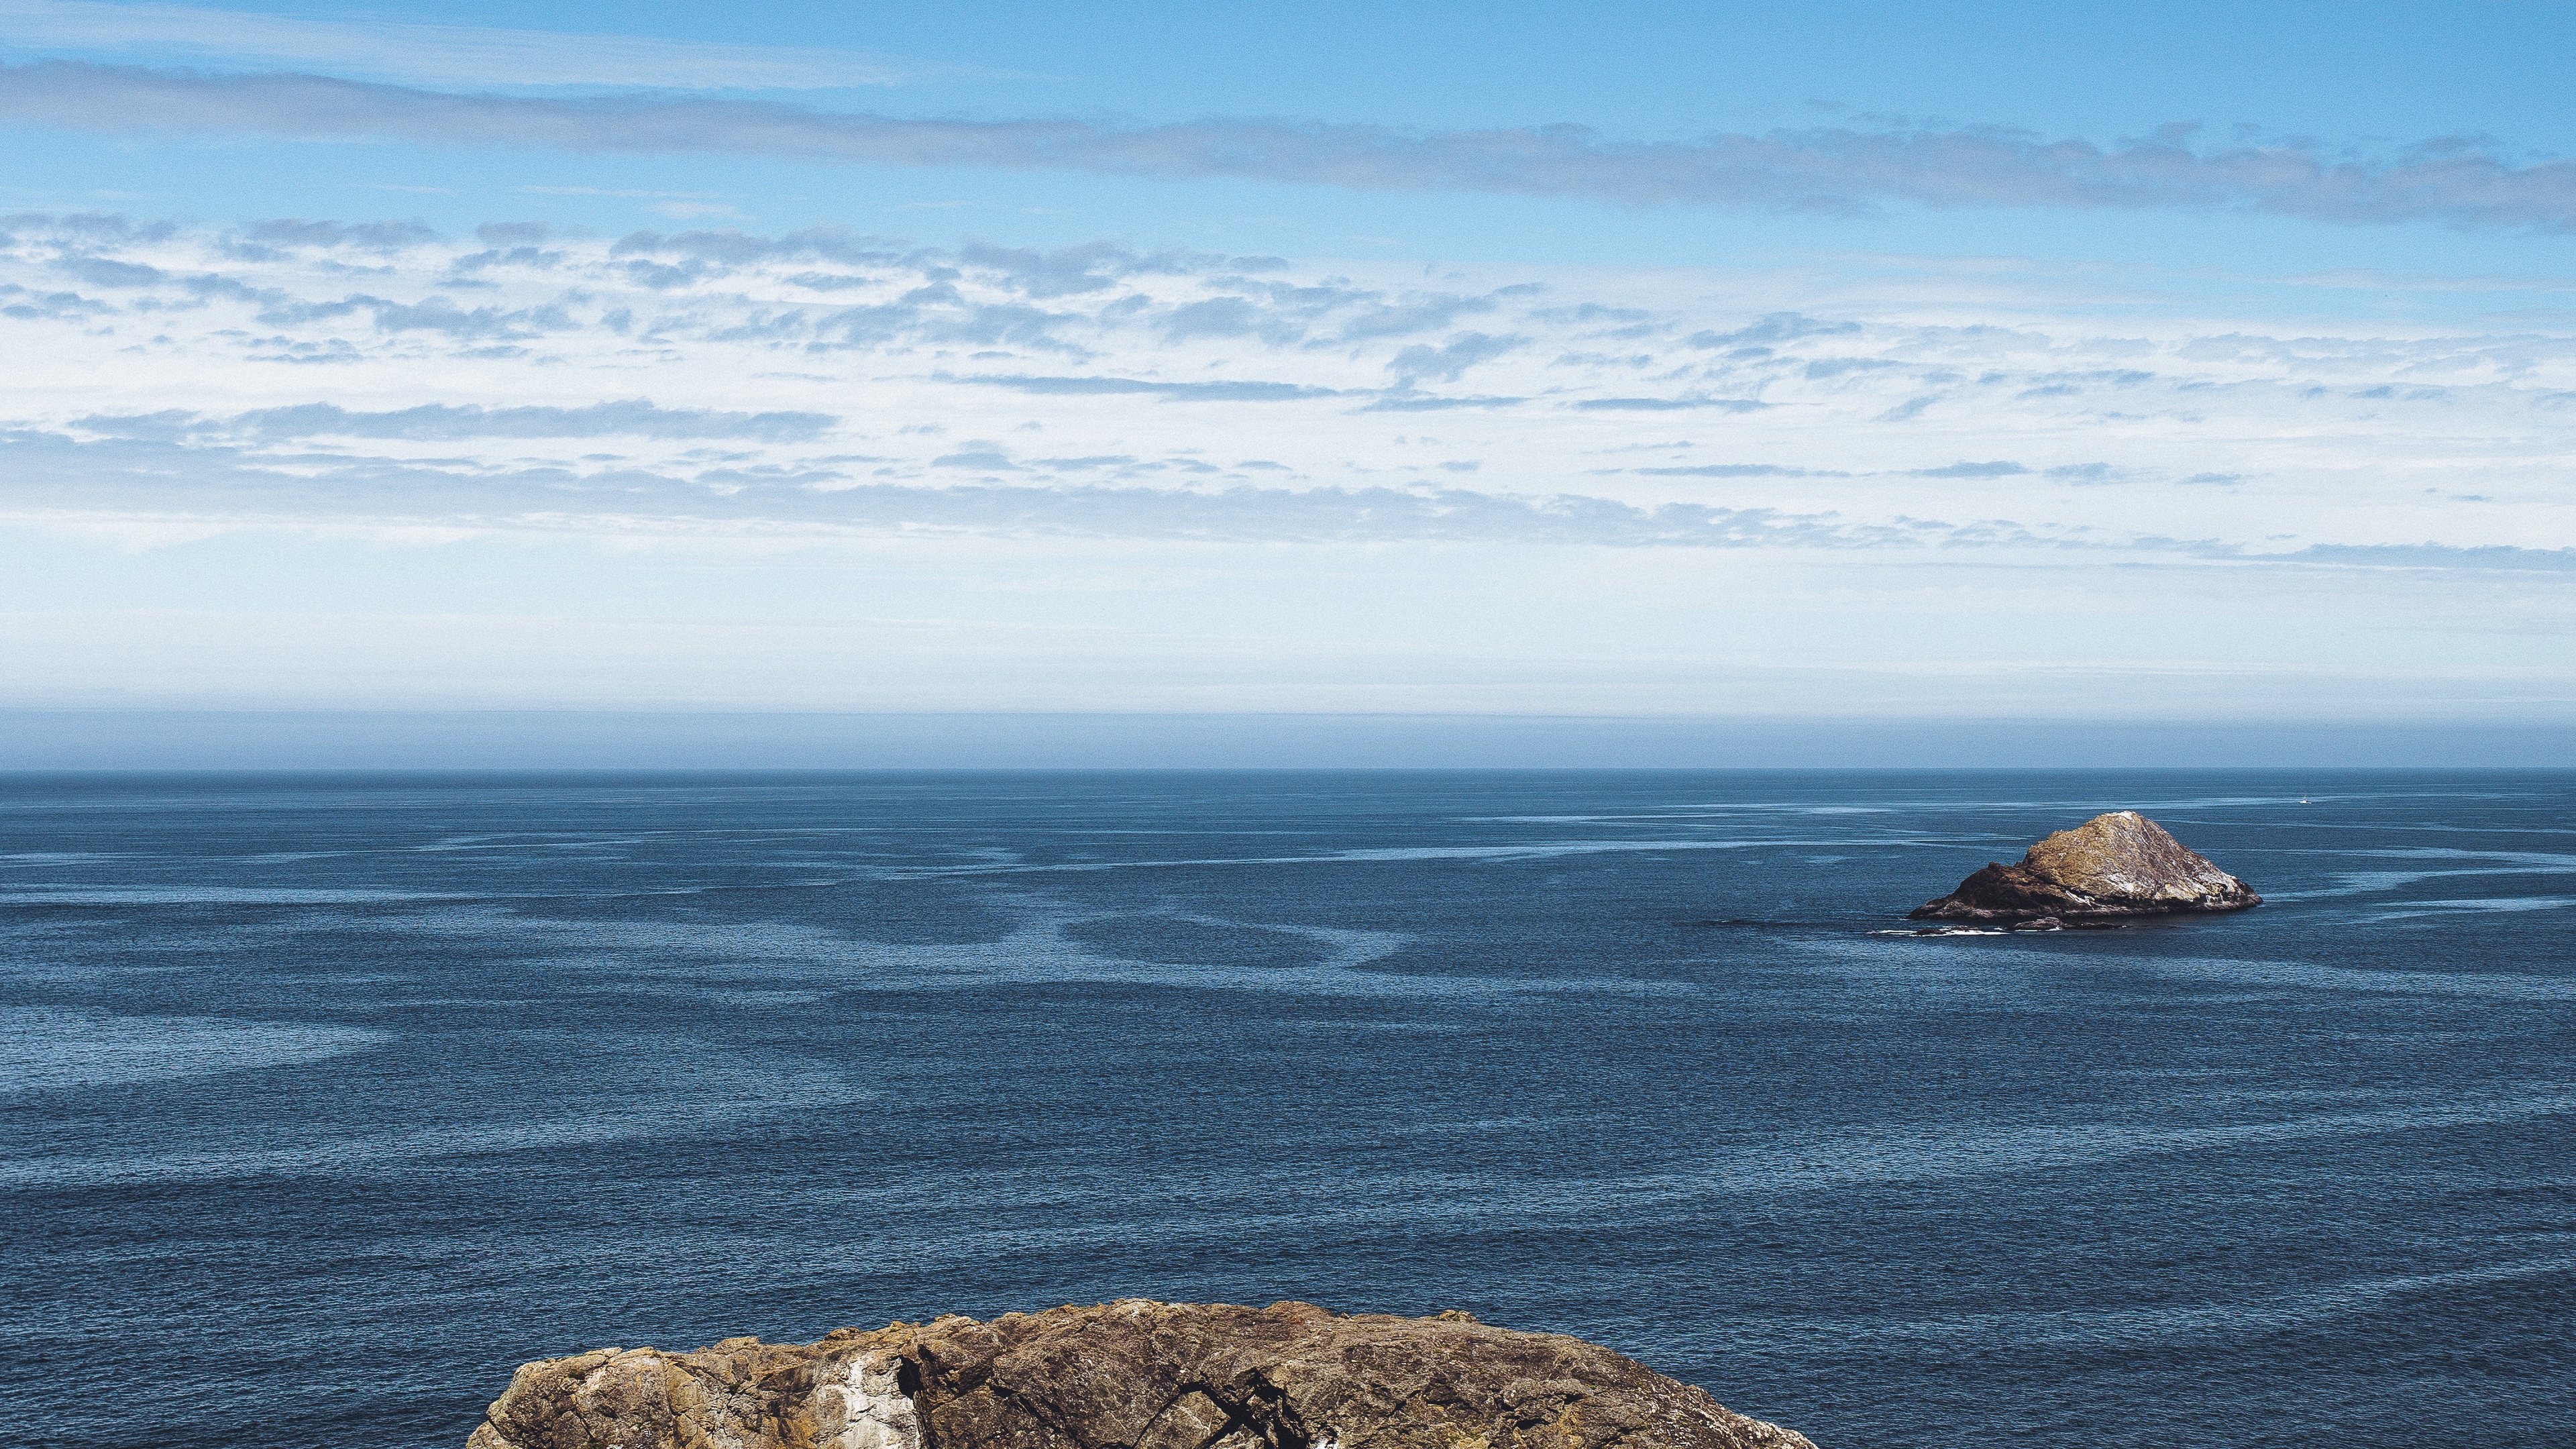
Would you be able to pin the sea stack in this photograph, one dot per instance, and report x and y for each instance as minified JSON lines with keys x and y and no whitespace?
{"x":2111,"y":866}
{"x":1134,"y":1374}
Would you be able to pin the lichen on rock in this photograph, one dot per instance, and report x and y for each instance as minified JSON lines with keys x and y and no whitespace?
{"x":2112,"y":866}
{"x":1134,"y":1374}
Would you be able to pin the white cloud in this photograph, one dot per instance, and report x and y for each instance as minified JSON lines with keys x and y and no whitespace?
{"x":878,"y":475}
{"x":339,"y":371}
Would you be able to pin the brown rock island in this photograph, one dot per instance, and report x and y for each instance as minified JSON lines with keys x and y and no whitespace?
{"x":1134,"y":1374}
{"x":2109,"y":868}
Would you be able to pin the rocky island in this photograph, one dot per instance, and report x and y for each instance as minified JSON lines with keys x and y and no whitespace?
{"x":1134,"y":1374}
{"x":2110,"y":868}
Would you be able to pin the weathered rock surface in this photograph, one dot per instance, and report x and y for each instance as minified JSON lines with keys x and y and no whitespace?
{"x":1128,"y":1375}
{"x":2112,"y":866}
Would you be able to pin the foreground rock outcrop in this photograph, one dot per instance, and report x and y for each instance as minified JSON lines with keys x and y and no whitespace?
{"x":1128,"y":1375}
{"x":2111,"y":867}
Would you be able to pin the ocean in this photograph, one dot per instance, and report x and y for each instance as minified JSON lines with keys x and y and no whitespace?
{"x":326,"y":1101}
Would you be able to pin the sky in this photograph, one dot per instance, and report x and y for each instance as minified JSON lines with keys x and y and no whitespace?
{"x":1679,"y":362}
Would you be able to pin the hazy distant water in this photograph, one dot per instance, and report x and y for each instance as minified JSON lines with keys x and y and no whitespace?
{"x":324,"y":1103}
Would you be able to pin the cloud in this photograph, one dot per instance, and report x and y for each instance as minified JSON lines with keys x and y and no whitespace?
{"x":430,"y":314}
{"x":1372,"y":515}
{"x":2438,"y":556}
{"x":481,"y":55}
{"x":1065,"y":272}
{"x":1219,"y":317}
{"x":1417,"y":314}
{"x":1169,"y":391}
{"x":1775,"y":328}
{"x":1823,"y":170}
{"x":1446,"y":362}
{"x":373,"y":236}
{"x":440,"y":422}
{"x":983,"y":459}
{"x":1106,"y":460}
{"x":100,"y":272}
{"x":1973,"y":470}
{"x":695,"y":383}
{"x":36,"y":468}
{"x":1725,"y":470}
{"x":1411,"y":402}
{"x":1667,"y":404}
{"x":2083,"y":473}
{"x":214,"y":485}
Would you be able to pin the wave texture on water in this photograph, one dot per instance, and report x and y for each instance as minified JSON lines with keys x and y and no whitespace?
{"x":421,"y":1077}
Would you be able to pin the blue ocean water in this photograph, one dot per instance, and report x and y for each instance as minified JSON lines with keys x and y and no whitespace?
{"x":326,"y":1101}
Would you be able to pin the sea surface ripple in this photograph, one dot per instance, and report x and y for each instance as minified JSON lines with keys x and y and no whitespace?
{"x":325,"y":1101}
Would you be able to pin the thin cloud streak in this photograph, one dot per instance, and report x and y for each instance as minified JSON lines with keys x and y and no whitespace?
{"x":156,"y":480}
{"x":469,"y":54}
{"x":1827,"y":170}
{"x":137,"y":475}
{"x":1168,"y":391}
{"x":440,"y":422}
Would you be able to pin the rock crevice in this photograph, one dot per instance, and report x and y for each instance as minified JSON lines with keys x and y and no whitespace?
{"x":1134,"y":1374}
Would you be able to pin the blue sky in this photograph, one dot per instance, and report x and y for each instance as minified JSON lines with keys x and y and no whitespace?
{"x":2362,"y":80}
{"x":1677,"y":361}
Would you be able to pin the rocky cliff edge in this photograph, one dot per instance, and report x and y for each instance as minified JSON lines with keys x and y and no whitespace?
{"x":1128,"y":1375}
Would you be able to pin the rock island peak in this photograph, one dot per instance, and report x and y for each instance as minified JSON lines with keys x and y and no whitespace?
{"x":2116,"y":865}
